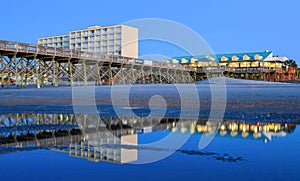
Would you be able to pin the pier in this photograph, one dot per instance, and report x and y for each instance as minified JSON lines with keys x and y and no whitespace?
{"x":22,"y":64}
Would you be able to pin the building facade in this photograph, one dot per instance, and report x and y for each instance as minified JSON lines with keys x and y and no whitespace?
{"x":251,"y":65}
{"x":120,"y":40}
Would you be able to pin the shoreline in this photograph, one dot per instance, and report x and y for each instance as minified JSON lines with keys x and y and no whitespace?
{"x":243,"y":100}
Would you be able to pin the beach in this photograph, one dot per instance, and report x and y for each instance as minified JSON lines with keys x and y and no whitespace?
{"x":244,"y":98}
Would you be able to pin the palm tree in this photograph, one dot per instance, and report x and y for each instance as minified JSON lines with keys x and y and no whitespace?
{"x":290,"y":63}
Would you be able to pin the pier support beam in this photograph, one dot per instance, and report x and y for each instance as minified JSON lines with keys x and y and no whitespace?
{"x":16,"y":70}
{"x":37,"y":72}
{"x":8,"y":80}
{"x":2,"y":70}
{"x":98,"y":76}
{"x":70,"y":64}
{"x":110,"y":76}
{"x":85,"y":74}
{"x":54,"y":73}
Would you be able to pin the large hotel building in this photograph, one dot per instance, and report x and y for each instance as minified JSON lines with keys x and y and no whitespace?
{"x":121,"y":40}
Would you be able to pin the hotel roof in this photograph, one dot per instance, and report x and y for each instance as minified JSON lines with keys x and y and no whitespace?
{"x":225,"y":57}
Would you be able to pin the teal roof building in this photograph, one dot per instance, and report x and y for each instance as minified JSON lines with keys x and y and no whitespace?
{"x":250,"y":56}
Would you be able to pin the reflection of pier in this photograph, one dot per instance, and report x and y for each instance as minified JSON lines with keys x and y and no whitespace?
{"x":40,"y":143}
{"x":102,"y":137}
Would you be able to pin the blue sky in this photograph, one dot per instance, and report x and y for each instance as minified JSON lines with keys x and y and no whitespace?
{"x":228,"y":26}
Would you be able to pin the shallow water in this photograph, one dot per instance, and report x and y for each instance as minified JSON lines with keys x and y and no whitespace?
{"x":42,"y":139}
{"x":48,"y":146}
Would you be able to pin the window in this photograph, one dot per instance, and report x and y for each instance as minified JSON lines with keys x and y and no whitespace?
{"x":85,"y":33}
{"x":98,"y":32}
{"x":245,"y":64}
{"x":254,"y":64}
{"x":234,"y":58}
{"x":234,"y":65}
{"x":246,"y":57}
{"x":183,"y":60}
{"x":92,"y":32}
{"x":104,"y":38}
{"x":119,"y":48}
{"x":257,"y":57}
{"x":85,"y":45}
{"x":223,"y":59}
{"x":118,"y":30}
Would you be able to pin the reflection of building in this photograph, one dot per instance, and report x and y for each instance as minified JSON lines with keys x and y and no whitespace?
{"x":116,"y":40}
{"x":250,"y":130}
{"x":254,"y":65}
{"x":107,"y":147}
{"x":112,"y":139}
{"x":60,"y":132}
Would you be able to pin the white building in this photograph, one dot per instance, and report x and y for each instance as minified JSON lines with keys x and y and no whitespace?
{"x":121,"y":40}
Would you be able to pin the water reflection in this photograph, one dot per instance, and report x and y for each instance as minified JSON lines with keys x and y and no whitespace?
{"x":116,"y":139}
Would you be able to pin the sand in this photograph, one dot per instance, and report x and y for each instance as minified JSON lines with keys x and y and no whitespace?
{"x":244,"y":98}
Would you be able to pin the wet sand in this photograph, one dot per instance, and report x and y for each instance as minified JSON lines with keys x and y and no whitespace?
{"x":242,"y":97}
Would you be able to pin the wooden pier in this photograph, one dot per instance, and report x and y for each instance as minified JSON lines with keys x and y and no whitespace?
{"x":22,"y":63}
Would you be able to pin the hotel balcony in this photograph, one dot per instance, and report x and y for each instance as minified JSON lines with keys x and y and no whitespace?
{"x":251,"y":69}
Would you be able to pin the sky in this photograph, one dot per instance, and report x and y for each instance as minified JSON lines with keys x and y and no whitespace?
{"x":229,"y":26}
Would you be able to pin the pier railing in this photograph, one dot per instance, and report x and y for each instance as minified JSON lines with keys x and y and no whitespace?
{"x":24,"y":48}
